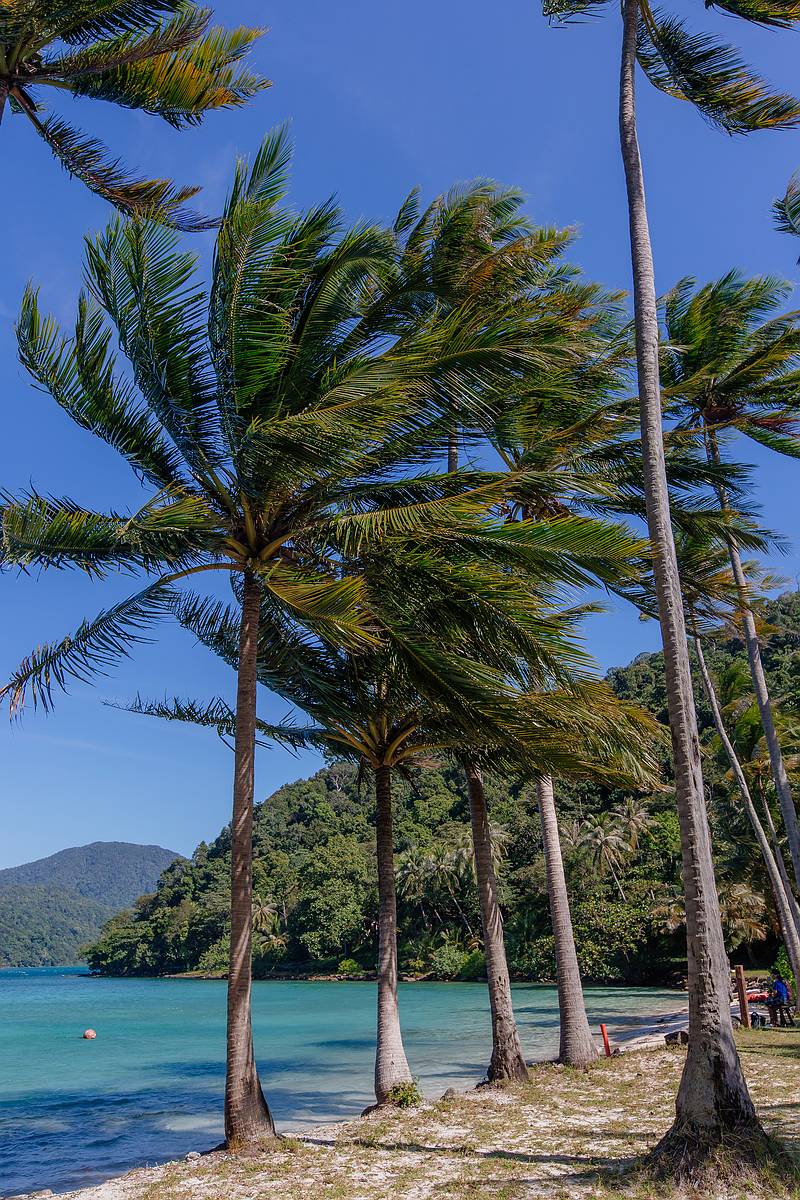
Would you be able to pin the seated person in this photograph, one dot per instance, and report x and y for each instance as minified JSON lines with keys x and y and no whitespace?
{"x":780,"y":1012}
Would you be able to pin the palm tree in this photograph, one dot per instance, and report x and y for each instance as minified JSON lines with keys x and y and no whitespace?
{"x":617,"y":743}
{"x":711,"y":598}
{"x":783,"y":898}
{"x":508,"y":1060}
{"x":250,"y":411}
{"x":576,"y":1045}
{"x":157,"y":56}
{"x":732,"y":364}
{"x":713,"y":1099}
{"x":604,"y":838}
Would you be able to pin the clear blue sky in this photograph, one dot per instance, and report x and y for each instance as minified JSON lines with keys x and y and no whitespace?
{"x":381,"y":97}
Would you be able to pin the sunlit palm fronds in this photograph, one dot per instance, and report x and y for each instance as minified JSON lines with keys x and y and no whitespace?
{"x":158,"y":58}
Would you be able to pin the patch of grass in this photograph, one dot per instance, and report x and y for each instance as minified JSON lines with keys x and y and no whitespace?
{"x":778,"y":1043}
{"x":405,"y":1095}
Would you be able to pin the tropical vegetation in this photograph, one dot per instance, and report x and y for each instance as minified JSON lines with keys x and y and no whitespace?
{"x":413,"y":452}
{"x":315,"y":879}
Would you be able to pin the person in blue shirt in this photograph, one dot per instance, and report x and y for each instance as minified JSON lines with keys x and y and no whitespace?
{"x":778,"y":1004}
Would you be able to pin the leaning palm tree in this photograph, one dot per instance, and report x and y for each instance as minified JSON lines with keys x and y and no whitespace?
{"x":713,"y":1099}
{"x":732,"y":363}
{"x":711,"y":596}
{"x":157,"y":56}
{"x":250,"y":411}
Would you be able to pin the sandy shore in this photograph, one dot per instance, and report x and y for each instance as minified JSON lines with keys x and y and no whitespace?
{"x":565,"y":1135}
{"x":200,"y":1175}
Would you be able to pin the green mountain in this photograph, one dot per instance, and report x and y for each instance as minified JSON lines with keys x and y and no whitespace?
{"x":314,"y":872}
{"x":52,"y":907}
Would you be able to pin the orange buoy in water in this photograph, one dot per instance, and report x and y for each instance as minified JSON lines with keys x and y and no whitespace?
{"x":89,"y":1034}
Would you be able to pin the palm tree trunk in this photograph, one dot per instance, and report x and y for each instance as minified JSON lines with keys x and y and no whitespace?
{"x":760,"y":687}
{"x":507,"y":1060}
{"x":391,"y":1066}
{"x":615,"y":877}
{"x":784,"y":874}
{"x":247,"y":1115}
{"x":576,"y":1047}
{"x":782,"y":903}
{"x":713,"y":1098}
{"x":452,"y":449}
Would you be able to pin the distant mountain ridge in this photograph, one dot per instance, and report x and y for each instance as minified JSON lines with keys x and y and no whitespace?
{"x":51,"y":907}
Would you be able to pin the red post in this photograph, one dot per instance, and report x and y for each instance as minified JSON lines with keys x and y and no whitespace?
{"x":606,"y":1043}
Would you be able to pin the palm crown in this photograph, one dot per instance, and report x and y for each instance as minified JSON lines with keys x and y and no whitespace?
{"x":158,"y":56}
{"x":270,"y":414}
{"x":702,"y":69}
{"x":731,"y":362}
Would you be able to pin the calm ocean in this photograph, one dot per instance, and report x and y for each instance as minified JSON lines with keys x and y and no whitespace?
{"x":73,"y":1112}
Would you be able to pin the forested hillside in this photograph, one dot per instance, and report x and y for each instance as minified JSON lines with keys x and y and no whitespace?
{"x":50,"y":908}
{"x":315,"y":883}
{"x":111,"y":872}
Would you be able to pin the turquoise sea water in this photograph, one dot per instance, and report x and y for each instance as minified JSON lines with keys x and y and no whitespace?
{"x":150,"y":1087}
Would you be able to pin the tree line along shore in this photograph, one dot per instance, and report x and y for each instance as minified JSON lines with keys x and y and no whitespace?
{"x":315,"y":886}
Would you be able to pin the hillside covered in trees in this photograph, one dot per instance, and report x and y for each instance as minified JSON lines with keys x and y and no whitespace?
{"x":50,"y":908}
{"x":316,"y":892}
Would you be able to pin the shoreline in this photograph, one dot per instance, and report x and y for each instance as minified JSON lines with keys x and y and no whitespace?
{"x":362,"y":977}
{"x":137,"y":1181}
{"x":562,"y":1135}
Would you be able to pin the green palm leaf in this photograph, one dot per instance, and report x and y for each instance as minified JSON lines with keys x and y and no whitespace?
{"x":217,"y":714}
{"x":94,"y":647}
{"x":183,"y":76}
{"x":89,"y":160}
{"x":709,"y":74}
{"x":80,"y":375}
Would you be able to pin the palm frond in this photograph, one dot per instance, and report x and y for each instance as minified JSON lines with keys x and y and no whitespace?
{"x":332,"y":607}
{"x":786,"y":211}
{"x":217,"y":714}
{"x":250,"y":226}
{"x":181,"y":82}
{"x":40,"y":531}
{"x":89,"y":160}
{"x":80,"y":375}
{"x":79,"y":22}
{"x":710,"y":75}
{"x":147,"y":285}
{"x":106,"y":54}
{"x":776,"y":14}
{"x":94,"y":647}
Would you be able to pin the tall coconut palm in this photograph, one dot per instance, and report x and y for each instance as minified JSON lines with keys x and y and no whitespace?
{"x":732,"y":363}
{"x":613,"y":742}
{"x":508,"y":1060}
{"x":157,"y":56}
{"x":576,"y":1045}
{"x":713,"y":1099}
{"x":783,"y":900}
{"x":711,"y":600}
{"x":250,"y":410}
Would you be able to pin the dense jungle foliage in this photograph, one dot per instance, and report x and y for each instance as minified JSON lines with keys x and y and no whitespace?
{"x":315,"y":886}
